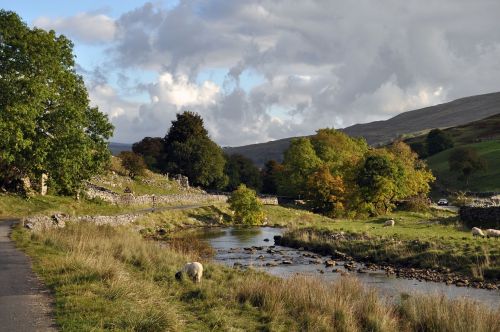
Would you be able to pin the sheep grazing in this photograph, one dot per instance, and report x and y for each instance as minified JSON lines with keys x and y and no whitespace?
{"x":492,"y":233}
{"x":389,"y":222}
{"x":194,"y":270}
{"x":477,"y":232}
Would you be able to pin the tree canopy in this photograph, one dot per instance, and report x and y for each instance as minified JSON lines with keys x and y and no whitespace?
{"x":151,"y":149}
{"x":190,"y":151}
{"x":240,"y":169}
{"x":340,"y":175}
{"x":46,"y":123}
{"x":437,"y":141}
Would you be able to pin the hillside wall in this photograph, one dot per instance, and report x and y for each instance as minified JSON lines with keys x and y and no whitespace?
{"x":482,"y":217}
{"x":93,"y":191}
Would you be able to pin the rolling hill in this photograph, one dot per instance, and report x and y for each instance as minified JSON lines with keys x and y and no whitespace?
{"x":483,"y":136}
{"x":454,"y":113}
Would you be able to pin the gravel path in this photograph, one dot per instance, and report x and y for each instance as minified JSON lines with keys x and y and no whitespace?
{"x":25,"y":304}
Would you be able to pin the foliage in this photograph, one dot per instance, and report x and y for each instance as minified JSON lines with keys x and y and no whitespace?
{"x":133,"y":163}
{"x":300,"y":161}
{"x":341,"y":175}
{"x":190,"y":151}
{"x":325,"y":192}
{"x":438,"y":140}
{"x":240,"y":169}
{"x":419,"y":148}
{"x":390,"y":175}
{"x":246,"y":206}
{"x":466,"y":161}
{"x":46,"y":123}
{"x":270,"y":177}
{"x":151,"y":149}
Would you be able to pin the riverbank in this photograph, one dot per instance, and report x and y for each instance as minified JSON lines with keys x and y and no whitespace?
{"x":112,"y":278}
{"x":432,"y":246}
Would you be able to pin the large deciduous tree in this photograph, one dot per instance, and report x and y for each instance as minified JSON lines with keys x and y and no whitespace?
{"x":151,"y":149}
{"x":240,"y":169}
{"x":299,"y":162}
{"x":190,"y":151}
{"x":46,"y":123}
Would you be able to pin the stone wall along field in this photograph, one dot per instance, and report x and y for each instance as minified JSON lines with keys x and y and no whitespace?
{"x":482,"y":217}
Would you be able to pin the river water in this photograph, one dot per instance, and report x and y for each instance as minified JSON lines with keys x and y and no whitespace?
{"x":230,"y":244}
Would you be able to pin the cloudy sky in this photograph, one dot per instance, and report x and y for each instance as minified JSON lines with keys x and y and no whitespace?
{"x":267,"y":69}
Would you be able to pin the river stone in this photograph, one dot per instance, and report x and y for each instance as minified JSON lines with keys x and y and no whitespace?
{"x":329,"y":263}
{"x":286,"y":262}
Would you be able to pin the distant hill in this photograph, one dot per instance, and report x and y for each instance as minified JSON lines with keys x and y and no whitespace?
{"x":116,"y":148}
{"x":411,"y":123}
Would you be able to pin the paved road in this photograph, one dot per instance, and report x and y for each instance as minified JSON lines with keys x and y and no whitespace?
{"x":24,"y":302}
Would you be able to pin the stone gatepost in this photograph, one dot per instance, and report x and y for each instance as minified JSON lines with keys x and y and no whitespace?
{"x":43,"y":184}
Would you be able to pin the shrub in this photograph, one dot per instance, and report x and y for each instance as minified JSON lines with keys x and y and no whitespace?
{"x":133,"y":162}
{"x":246,"y":206}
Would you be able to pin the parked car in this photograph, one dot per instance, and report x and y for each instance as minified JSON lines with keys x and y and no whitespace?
{"x":443,"y":201}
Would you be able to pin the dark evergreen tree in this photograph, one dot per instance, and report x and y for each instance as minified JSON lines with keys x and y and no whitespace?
{"x":240,"y":169}
{"x":190,"y":152}
{"x":437,"y":141}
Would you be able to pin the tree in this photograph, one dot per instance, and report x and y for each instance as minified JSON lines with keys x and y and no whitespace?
{"x":466,"y":161}
{"x":189,"y":151}
{"x":389,"y":175}
{"x":420,"y":149}
{"x":246,"y":206}
{"x":270,"y":177}
{"x":299,"y":162}
{"x":46,"y":123}
{"x":437,"y":141}
{"x":151,"y":149}
{"x":240,"y":169}
{"x":133,"y":163}
{"x":325,"y":192}
{"x":376,"y":181}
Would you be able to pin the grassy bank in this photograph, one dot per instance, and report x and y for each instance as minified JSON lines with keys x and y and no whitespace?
{"x":17,"y":206}
{"x":108,"y":278}
{"x":423,"y":240}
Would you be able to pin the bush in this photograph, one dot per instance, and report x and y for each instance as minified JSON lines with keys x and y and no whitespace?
{"x":133,"y":162}
{"x":246,"y":206}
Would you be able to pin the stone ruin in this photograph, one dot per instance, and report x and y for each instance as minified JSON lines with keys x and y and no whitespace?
{"x":182,"y":180}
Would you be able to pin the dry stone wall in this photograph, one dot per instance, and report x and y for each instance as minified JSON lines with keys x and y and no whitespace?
{"x":483,"y":217}
{"x":40,"y":223}
{"x":93,"y":191}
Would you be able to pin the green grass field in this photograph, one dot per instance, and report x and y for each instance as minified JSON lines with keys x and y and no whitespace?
{"x":112,"y":279}
{"x":488,"y":180}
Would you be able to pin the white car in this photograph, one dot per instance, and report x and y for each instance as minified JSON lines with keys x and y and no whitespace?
{"x":443,"y":201}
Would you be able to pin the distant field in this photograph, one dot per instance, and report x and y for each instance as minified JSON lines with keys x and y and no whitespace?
{"x":488,"y":180}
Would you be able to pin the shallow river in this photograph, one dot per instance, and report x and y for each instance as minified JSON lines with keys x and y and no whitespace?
{"x":230,"y":244}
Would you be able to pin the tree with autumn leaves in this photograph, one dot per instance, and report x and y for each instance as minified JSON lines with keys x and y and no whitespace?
{"x":342,"y":176}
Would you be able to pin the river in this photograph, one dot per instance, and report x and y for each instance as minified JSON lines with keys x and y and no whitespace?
{"x":254,"y":247}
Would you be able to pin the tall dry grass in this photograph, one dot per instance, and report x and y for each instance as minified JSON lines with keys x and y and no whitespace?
{"x":112,"y":279}
{"x":313,"y":305}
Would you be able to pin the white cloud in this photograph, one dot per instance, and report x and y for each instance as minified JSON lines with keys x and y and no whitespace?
{"x":87,"y":27}
{"x":180,"y":92}
{"x":324,"y":63}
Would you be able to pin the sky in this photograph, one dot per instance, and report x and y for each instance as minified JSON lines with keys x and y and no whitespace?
{"x":260,"y":70}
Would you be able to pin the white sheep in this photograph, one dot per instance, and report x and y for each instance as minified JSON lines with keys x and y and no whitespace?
{"x":477,"y":232}
{"x":389,"y":222}
{"x":492,"y":233}
{"x":194,"y":270}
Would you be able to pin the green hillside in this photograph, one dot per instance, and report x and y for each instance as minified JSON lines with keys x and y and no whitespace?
{"x":488,"y":180}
